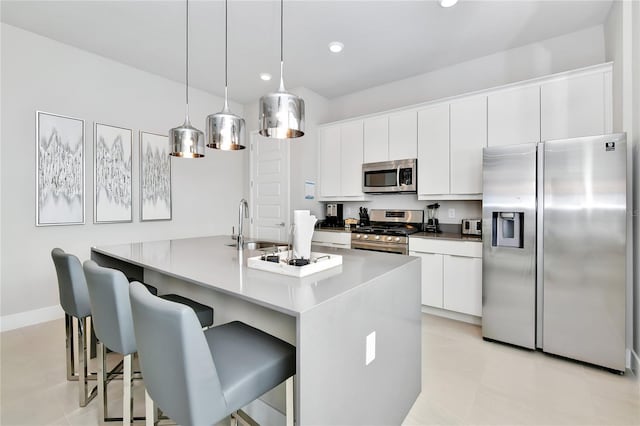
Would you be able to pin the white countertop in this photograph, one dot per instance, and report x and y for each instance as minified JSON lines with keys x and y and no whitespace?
{"x":210,"y":262}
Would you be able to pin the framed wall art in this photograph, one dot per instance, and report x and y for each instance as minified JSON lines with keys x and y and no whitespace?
{"x":155,"y":177}
{"x":59,"y":170}
{"x":112,"y":185}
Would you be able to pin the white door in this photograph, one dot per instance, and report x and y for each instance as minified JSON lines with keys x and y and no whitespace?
{"x":351,"y":151}
{"x":432,"y":278}
{"x":376,"y":139}
{"x":269,"y":199}
{"x":463,"y":284}
{"x":514,"y":116}
{"x":329,"y":164}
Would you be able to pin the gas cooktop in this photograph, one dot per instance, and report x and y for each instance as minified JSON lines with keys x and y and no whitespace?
{"x":381,"y":229}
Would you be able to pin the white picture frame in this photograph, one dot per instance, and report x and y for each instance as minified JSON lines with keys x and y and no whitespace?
{"x":112,"y":174}
{"x":60,"y":198}
{"x":155,"y":177}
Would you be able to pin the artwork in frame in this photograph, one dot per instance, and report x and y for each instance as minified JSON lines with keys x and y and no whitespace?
{"x":112,"y":187}
{"x":59,"y":170}
{"x":155,"y":177}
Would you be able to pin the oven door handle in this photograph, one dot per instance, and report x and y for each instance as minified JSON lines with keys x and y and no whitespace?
{"x":401,"y":249}
{"x":398,"y":177}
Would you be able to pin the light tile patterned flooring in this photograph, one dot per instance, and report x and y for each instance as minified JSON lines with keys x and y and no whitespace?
{"x":465,"y":380}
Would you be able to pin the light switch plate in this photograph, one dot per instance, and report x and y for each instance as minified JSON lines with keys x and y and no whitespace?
{"x":371,"y":348}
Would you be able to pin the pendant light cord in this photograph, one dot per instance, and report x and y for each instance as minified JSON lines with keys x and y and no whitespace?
{"x":282,"y":45}
{"x":226,"y":65}
{"x":187,"y":61}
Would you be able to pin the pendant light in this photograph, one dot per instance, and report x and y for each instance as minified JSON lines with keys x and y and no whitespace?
{"x":281,"y":113}
{"x":186,"y":141}
{"x":225,"y":130}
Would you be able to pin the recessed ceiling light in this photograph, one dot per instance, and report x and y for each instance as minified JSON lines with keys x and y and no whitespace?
{"x":265,"y":76}
{"x":448,"y":3}
{"x":336,"y":47}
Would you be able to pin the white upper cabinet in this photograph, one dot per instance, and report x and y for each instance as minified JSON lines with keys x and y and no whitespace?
{"x":351,"y":154}
{"x":468,"y":127}
{"x":433,"y":150}
{"x":514,"y":116}
{"x":376,"y":139}
{"x":403,"y":135}
{"x":575,"y":106}
{"x":391,"y":137}
{"x":329,"y":161}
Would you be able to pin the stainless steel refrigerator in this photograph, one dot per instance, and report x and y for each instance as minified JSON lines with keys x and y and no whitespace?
{"x":554,"y":247}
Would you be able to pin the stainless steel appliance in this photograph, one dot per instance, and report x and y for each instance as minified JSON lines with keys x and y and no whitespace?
{"x":389,"y":231}
{"x":472,"y":226}
{"x":390,"y":176}
{"x":334,"y":216}
{"x":554,"y":252}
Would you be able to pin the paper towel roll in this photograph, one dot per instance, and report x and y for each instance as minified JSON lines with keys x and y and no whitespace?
{"x":303,"y":225}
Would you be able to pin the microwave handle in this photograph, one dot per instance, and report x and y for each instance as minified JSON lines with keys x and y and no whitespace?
{"x":397,"y":176}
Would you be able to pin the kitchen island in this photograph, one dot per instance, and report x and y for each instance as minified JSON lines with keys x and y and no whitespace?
{"x":372,"y":299}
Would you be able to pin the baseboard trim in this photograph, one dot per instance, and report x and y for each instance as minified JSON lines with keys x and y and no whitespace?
{"x":25,"y":319}
{"x":471,"y":319}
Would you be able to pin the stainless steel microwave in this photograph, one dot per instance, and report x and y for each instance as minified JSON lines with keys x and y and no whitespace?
{"x":390,"y":176}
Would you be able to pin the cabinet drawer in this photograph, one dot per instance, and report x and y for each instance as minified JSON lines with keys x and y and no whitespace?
{"x":339,"y":238}
{"x":455,"y":248}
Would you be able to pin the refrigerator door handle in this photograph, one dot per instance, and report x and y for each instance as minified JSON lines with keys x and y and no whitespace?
{"x":539,"y":245}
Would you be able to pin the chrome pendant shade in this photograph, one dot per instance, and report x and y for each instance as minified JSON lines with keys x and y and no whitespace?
{"x":186,"y":141}
{"x":281,"y":114}
{"x":225,"y":130}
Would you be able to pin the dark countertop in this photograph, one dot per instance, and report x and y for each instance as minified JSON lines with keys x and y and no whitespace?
{"x":333,"y":229}
{"x":447,"y":236}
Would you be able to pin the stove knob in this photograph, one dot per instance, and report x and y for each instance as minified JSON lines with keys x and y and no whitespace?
{"x":356,"y":236}
{"x":397,"y":238}
{"x":366,"y":237}
{"x":389,"y":238}
{"x":377,"y":237}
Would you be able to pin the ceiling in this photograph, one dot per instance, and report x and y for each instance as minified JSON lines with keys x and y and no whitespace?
{"x":384,"y":40}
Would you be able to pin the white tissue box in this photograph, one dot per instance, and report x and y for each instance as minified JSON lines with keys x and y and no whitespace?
{"x":322,"y":263}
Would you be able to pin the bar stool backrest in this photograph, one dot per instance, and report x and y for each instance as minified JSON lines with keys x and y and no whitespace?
{"x":72,"y":286}
{"x":178,"y":370}
{"x":110,"y":307}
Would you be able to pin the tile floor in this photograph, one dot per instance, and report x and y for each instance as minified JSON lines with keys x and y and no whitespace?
{"x":464,"y":381}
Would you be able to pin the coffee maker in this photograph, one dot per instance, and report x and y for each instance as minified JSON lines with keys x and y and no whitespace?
{"x":334,"y":215}
{"x":433,"y":225}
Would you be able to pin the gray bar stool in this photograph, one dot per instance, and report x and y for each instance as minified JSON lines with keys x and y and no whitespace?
{"x":210,"y":374}
{"x":74,"y":299}
{"x":109,"y":297}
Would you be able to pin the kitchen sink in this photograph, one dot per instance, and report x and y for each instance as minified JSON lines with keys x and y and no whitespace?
{"x":261,"y":245}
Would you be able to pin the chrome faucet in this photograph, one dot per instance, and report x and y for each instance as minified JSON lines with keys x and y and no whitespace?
{"x":243,"y":207}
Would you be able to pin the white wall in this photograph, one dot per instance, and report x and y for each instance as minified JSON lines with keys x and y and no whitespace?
{"x":575,"y":50}
{"x":619,"y":45}
{"x":635,"y":72}
{"x":42,"y":74}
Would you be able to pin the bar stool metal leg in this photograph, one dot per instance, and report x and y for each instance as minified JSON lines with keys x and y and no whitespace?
{"x":85,"y":394}
{"x":69,"y":347}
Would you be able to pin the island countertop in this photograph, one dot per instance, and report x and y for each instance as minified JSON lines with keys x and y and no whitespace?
{"x":212,"y":262}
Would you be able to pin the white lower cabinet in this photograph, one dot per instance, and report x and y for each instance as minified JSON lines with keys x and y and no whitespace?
{"x":463,"y":284}
{"x":431,"y":278}
{"x":451,"y":274}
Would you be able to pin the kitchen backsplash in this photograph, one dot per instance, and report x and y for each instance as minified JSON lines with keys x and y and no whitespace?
{"x":462,"y":209}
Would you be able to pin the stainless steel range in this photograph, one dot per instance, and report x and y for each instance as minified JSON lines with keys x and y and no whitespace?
{"x":389,"y":231}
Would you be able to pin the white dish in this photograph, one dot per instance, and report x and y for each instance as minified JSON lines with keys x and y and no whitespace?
{"x":319,"y":262}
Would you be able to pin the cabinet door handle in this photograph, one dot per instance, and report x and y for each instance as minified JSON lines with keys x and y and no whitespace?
{"x":281,"y":224}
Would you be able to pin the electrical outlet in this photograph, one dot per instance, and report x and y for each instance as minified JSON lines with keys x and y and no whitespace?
{"x":370,"y":354}
{"x":452,"y":213}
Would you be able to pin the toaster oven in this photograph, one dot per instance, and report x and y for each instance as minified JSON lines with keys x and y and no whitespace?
{"x":472,"y":226}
